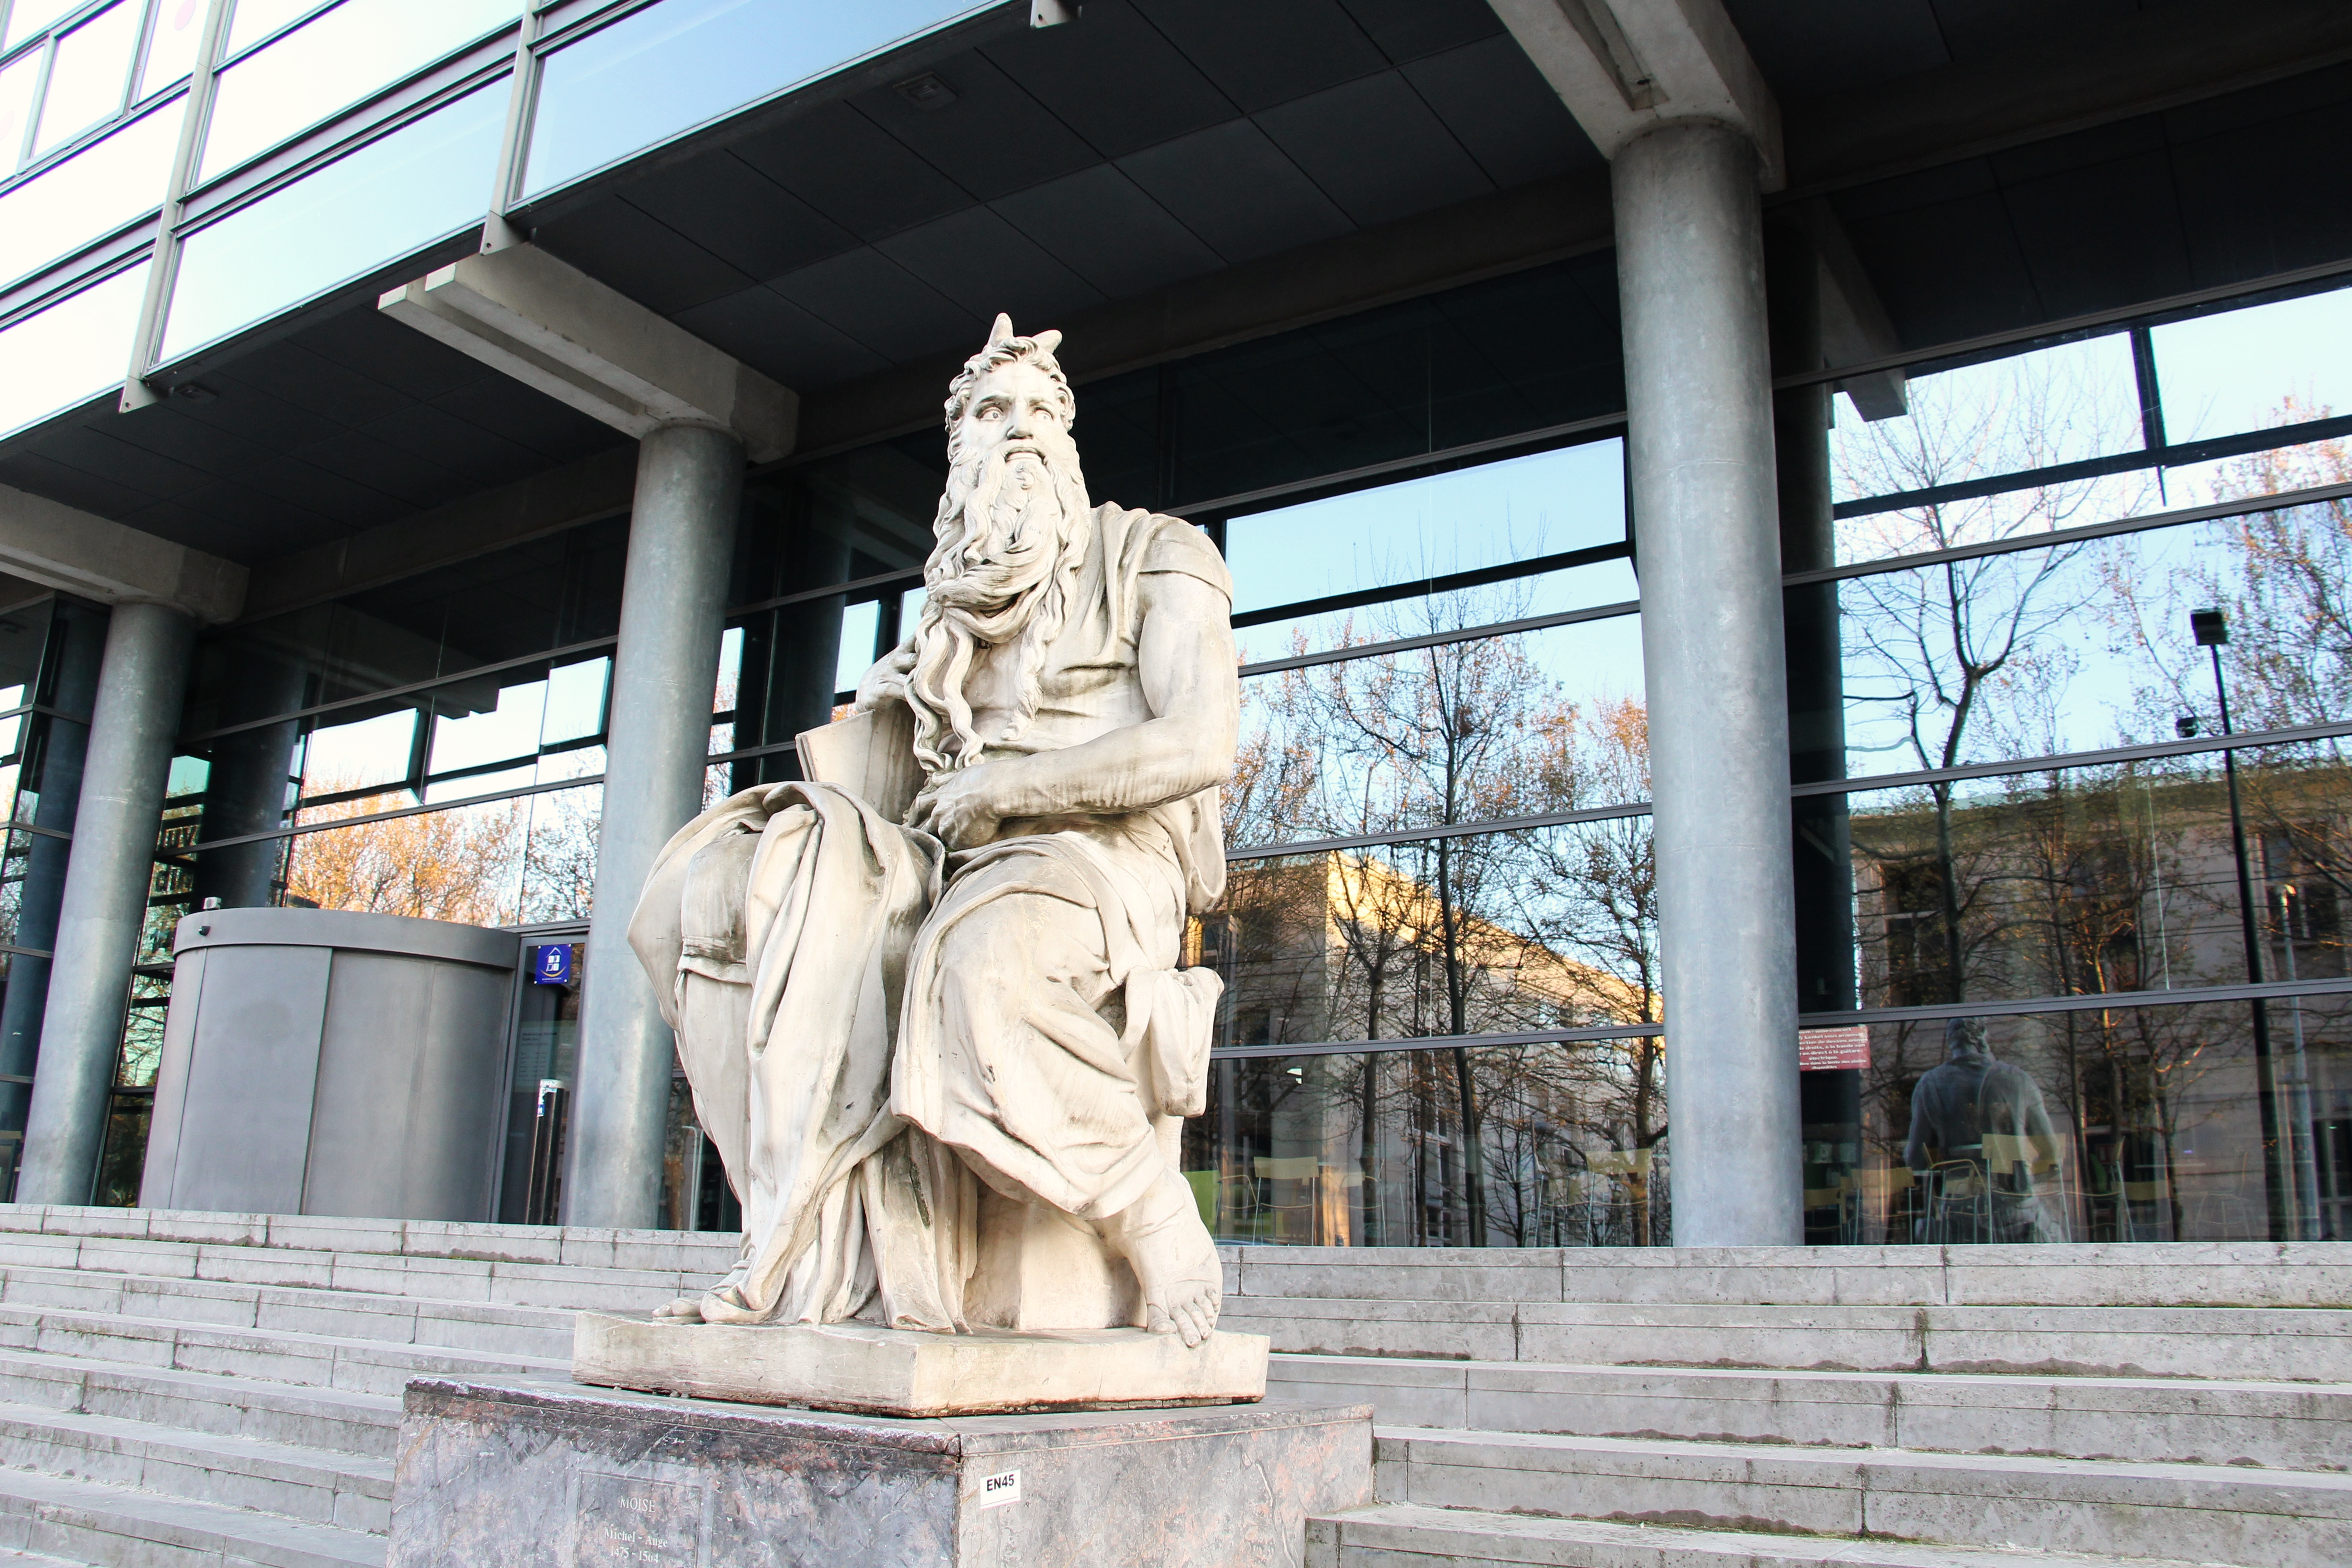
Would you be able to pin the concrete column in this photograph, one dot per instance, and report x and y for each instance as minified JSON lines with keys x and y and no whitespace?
{"x":1690,"y":269}
{"x":141,"y":678}
{"x":673,"y":606}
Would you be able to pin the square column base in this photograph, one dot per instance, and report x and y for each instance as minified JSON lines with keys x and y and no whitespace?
{"x":898,"y":1372}
{"x":539,"y":1474}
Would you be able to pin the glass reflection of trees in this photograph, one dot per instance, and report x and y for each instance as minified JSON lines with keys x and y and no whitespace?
{"x":1542,"y":928}
{"x":2115,"y":878}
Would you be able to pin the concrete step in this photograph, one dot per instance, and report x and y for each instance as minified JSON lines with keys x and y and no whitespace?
{"x":2283,"y":1425}
{"x":2128,"y":1274}
{"x":2199,"y":1513}
{"x":280,"y":1356}
{"x":120,"y":1527}
{"x":329,"y":1419}
{"x":702,"y":1253}
{"x":2264,"y":1344}
{"x":568,"y":1286}
{"x":343,"y":1489}
{"x":490,"y":1327}
{"x":1402,"y":1535}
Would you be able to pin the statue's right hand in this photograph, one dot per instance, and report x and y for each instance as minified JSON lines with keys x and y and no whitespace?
{"x":888,"y":678}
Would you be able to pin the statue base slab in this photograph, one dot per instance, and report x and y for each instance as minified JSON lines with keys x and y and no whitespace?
{"x":896,"y":1371}
{"x":532,"y":1472}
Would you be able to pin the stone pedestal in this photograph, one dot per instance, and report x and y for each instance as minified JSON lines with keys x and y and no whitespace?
{"x":894,"y":1372}
{"x":531,"y":1474}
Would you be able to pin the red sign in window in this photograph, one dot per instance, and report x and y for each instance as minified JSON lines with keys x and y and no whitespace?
{"x":1819,"y":1050}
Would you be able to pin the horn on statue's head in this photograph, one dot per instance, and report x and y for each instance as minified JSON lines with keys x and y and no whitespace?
{"x":1001,"y":331}
{"x":1047,"y":342}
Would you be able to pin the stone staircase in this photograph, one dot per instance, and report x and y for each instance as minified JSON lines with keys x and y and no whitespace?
{"x":224,"y":1389}
{"x":1897,"y":1407}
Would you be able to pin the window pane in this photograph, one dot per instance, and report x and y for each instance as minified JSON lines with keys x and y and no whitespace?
{"x":1542,"y":929}
{"x":1553,"y":1145}
{"x":670,"y":67}
{"x":358,"y":753}
{"x":469,"y":731}
{"x":88,"y":77}
{"x":2153,"y":1120}
{"x":255,"y":19}
{"x":419,"y":184}
{"x":860,"y":625}
{"x":2248,"y":370}
{"x":1552,"y":502}
{"x":98,"y":190}
{"x":70,"y":351}
{"x":16,"y":85}
{"x":2089,"y":880}
{"x":2088,"y":645}
{"x":1516,"y":726}
{"x":338,"y":60}
{"x":575,"y":701}
{"x":171,"y":52}
{"x":464,"y":864}
{"x":1547,"y":593}
{"x":2029,"y":411}
{"x":559,"y":868}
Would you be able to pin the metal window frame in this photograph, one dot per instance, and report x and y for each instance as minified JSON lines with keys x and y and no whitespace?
{"x":2023,"y":1006}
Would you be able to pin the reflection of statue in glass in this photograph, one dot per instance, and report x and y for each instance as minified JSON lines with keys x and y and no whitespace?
{"x":1972,"y":1110}
{"x":929,"y":1002}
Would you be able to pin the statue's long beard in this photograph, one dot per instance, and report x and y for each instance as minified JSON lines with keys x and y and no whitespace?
{"x":1002,"y":575}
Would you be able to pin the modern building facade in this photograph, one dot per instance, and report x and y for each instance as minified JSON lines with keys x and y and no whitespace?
{"x":1717,"y":492}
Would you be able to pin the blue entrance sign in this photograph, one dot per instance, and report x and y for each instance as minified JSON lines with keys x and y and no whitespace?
{"x":551,"y":964}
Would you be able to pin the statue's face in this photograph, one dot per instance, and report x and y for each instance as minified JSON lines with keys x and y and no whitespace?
{"x":1013,"y":409}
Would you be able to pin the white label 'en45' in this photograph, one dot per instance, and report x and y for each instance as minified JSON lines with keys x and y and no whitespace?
{"x":997,"y":1490}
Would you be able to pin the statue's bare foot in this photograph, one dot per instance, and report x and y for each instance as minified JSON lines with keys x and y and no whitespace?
{"x":722,"y":1303}
{"x":1174,"y":1259}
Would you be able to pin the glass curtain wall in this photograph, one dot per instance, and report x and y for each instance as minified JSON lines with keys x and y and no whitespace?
{"x":2017,"y":805}
{"x":2088,"y":817}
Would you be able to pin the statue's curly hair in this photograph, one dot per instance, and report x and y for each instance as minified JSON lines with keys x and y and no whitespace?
{"x":1005,"y":348}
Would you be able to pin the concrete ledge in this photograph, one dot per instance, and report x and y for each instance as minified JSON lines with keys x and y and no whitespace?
{"x":896,"y":1371}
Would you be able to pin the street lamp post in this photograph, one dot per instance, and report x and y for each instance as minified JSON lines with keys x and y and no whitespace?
{"x":2298,"y":1088}
{"x":2212,"y":631}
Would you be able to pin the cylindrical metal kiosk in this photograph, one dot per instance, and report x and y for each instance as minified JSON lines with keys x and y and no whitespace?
{"x":319,"y":1061}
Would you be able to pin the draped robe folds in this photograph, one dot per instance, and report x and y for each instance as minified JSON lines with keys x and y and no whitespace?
{"x":872,"y":1025}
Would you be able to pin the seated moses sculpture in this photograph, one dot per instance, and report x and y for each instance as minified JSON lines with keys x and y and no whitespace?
{"x":944,"y":1055}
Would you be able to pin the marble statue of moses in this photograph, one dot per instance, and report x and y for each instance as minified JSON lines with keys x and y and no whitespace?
{"x":900,"y":1031}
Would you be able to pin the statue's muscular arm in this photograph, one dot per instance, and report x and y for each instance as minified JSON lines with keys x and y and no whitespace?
{"x":1185,"y":656}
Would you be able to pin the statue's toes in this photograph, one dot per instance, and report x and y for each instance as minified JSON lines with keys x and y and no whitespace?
{"x":1191,"y":1312}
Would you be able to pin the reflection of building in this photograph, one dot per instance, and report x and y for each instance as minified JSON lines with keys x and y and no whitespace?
{"x":1368,"y":1149}
{"x":1348,"y":947}
{"x":2113,"y":881}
